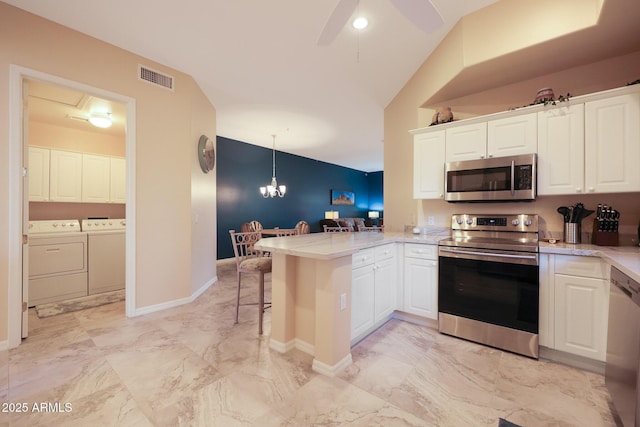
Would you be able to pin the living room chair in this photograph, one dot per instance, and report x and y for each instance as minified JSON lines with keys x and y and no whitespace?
{"x":338,"y":229}
{"x":303,"y":227}
{"x":286,"y":232}
{"x":250,"y":261}
{"x":373,"y":228}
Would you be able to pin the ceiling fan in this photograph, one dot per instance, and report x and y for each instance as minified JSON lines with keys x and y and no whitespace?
{"x":422,"y":13}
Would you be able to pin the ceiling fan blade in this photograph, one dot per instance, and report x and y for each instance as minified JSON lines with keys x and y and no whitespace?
{"x":421,"y":12}
{"x":338,"y":18}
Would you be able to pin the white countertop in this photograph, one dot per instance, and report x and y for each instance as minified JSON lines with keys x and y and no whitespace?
{"x":624,"y":258}
{"x":336,"y":245}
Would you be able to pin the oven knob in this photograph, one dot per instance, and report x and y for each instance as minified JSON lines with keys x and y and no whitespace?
{"x":64,"y":224}
{"x":469,"y":221}
{"x":460,"y":221}
{"x":528,"y":222}
{"x":515,"y":222}
{"x":55,"y":224}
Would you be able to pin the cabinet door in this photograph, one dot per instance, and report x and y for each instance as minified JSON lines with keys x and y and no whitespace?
{"x":118,"y":187}
{"x":362,"y":300}
{"x":421,"y":287}
{"x":384,"y":289}
{"x":428,"y":165}
{"x":561,"y":150}
{"x":612,"y":132}
{"x":38,"y":170}
{"x":581,"y":315}
{"x":468,"y":142}
{"x":512,"y":136}
{"x":95,"y":178}
{"x":65,"y":178}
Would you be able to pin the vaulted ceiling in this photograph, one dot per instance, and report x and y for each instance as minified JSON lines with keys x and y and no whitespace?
{"x":260,"y":65}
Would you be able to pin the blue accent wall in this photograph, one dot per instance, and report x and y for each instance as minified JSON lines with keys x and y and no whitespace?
{"x":242,"y":168}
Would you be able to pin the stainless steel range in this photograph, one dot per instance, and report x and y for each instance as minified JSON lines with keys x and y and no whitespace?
{"x":488,"y":289}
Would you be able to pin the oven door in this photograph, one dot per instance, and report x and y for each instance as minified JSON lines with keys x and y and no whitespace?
{"x":490,"y":286}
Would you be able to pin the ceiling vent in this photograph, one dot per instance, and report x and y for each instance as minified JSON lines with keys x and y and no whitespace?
{"x":155,"y":77}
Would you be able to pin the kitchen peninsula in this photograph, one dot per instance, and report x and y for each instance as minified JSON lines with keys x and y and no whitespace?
{"x":311,"y":292}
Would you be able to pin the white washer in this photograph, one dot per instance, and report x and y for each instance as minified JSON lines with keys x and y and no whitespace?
{"x":106,"y":254}
{"x":57,"y":261}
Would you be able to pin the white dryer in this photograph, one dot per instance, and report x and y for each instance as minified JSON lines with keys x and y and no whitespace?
{"x":57,"y":261}
{"x":105,"y":254}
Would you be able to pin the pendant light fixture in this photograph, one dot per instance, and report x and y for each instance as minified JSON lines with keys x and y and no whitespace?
{"x":273,"y":189}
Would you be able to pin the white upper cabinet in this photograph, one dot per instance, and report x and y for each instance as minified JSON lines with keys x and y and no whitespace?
{"x":38,"y":170}
{"x":467,"y":142}
{"x":118,"y":186}
{"x":65,"y":180}
{"x":428,"y":165}
{"x":561,"y":150}
{"x":512,"y":136}
{"x":95,"y":178}
{"x":612,"y":144}
{"x":509,"y":136}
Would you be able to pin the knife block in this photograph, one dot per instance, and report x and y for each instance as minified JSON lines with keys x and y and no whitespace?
{"x":603,"y":238}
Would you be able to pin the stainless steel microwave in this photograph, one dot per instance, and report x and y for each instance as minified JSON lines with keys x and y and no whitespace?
{"x":496,"y":179}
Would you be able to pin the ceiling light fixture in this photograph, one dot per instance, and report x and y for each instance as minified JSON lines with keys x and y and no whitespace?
{"x":101,"y":120}
{"x":360,"y":23}
{"x":273,"y":189}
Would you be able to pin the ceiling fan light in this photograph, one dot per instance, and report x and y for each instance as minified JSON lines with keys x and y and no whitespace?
{"x":360,"y":23}
{"x":100,"y":120}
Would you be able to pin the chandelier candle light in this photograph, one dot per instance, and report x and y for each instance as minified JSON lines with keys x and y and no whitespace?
{"x":273,"y":189}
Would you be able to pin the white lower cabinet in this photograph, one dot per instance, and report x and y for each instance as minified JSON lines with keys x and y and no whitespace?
{"x":421,"y":280}
{"x":577,"y":305}
{"x":373,"y":289}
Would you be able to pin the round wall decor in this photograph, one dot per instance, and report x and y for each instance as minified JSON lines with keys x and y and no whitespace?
{"x":206,"y":154}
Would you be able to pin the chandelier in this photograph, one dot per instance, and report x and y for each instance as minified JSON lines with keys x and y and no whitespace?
{"x":273,"y":189}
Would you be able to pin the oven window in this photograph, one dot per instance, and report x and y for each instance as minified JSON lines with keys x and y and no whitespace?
{"x":492,"y":292}
{"x":487,"y":179}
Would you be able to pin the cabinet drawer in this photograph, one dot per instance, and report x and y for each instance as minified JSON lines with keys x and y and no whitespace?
{"x":384,"y":252}
{"x":362,"y":258}
{"x":583,"y":266}
{"x":423,"y":251}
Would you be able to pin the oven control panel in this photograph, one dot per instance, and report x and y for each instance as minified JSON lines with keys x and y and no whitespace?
{"x":521,"y":222}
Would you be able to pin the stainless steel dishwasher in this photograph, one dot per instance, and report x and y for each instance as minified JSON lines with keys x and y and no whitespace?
{"x":623,"y":347}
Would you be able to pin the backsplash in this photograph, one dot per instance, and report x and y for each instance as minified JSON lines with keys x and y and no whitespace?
{"x":550,"y":221}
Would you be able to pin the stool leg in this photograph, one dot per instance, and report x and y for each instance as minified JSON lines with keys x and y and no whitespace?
{"x":261,"y":302}
{"x":238,"y":298}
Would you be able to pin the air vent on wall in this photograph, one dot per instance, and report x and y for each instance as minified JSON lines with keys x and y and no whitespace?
{"x":154,"y":77}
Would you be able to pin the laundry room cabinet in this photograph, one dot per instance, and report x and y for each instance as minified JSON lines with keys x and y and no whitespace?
{"x":38,"y":172}
{"x":66,"y":176}
{"x":65,"y":179}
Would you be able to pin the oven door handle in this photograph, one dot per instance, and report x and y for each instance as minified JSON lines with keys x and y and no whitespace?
{"x":513,"y":177}
{"x":531,"y":257}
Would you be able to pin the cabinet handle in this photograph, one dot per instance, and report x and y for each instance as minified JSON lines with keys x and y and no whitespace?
{"x":591,"y":189}
{"x":482,"y":156}
{"x":490,"y":155}
{"x":578,"y":190}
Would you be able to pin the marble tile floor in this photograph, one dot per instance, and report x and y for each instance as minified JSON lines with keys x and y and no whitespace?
{"x":192,"y":366}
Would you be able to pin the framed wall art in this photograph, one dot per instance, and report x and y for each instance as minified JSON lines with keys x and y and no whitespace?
{"x":347,"y":198}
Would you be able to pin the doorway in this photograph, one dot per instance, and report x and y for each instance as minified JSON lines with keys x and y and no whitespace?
{"x":19,"y":214}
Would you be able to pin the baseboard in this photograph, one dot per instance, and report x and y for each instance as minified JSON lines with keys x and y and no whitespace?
{"x":415,"y":319}
{"x":575,"y":361}
{"x":281,"y":347}
{"x":203,"y":288}
{"x":331,"y":370}
{"x":304,"y":346}
{"x":4,"y":345}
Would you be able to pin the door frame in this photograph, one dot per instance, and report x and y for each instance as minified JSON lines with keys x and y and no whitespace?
{"x":16,"y":190}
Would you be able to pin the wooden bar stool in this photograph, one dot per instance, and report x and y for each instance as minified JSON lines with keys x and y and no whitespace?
{"x":250,"y":260}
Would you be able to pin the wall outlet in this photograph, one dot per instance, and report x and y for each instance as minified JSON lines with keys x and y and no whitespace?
{"x":343,"y":302}
{"x":430,"y":220}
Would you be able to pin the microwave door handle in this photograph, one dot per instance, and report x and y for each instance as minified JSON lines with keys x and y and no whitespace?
{"x":513,"y":177}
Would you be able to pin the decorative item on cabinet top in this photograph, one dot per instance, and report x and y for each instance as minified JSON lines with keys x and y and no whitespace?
{"x":442,"y":115}
{"x":206,"y":154}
